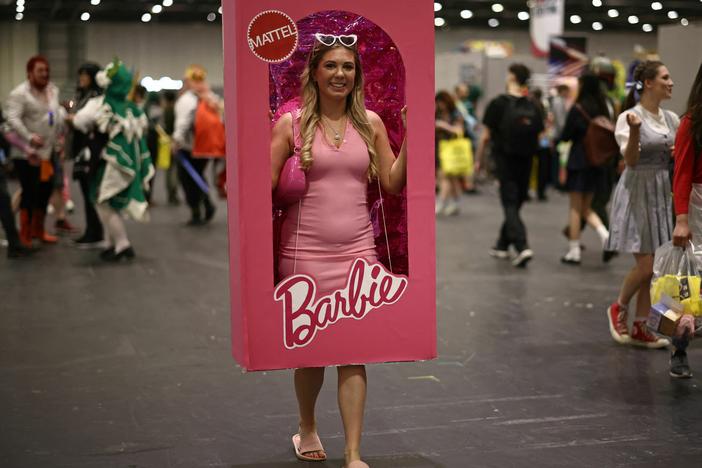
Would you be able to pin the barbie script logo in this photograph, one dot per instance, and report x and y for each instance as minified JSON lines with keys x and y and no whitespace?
{"x":368,"y":287}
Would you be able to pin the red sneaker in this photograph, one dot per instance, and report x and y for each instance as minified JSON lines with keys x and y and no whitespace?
{"x":641,"y":336}
{"x":616,"y":316}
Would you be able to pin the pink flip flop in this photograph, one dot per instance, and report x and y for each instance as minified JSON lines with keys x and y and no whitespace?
{"x":311,"y":444}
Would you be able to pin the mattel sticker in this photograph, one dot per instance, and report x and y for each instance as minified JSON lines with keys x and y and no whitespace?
{"x":272,"y":36}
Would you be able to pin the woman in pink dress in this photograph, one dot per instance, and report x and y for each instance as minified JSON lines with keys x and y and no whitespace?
{"x":343,"y":148}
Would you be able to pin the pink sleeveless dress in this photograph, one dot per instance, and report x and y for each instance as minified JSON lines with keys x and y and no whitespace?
{"x":334,"y":224}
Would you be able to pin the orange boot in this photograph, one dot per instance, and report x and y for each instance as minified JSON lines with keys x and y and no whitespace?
{"x":25,"y":233}
{"x":38,"y":231}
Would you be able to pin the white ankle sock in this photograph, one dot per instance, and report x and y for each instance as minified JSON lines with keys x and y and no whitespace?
{"x":603,"y":233}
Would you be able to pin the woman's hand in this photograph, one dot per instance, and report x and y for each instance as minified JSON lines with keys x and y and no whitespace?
{"x":633,"y":120}
{"x":681,"y":233}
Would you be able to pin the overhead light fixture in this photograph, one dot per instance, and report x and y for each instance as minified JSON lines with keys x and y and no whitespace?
{"x":575,"y":19}
{"x":156,"y":9}
{"x":466,"y":14}
{"x":167,"y":3}
{"x":633,"y":19}
{"x":597,"y":3}
{"x":612,"y":13}
{"x":684,"y":22}
{"x":211,"y":17}
{"x":657,"y":6}
{"x":219,"y":10}
{"x":498,"y":8}
{"x":523,"y":15}
{"x":438,"y":22}
{"x":145,"y":18}
{"x":20,"y":8}
{"x":493,"y":22}
{"x":597,"y":26}
{"x":85,"y":16}
{"x":95,"y":2}
{"x":20,"y":2}
{"x":673,"y":14}
{"x":647,"y":27}
{"x":19,"y":16}
{"x":438,"y":6}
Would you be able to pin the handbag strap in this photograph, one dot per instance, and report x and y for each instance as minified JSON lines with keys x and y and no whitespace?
{"x":582,"y":111}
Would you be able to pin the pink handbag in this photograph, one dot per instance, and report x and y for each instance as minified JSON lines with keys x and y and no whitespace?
{"x":292,"y":182}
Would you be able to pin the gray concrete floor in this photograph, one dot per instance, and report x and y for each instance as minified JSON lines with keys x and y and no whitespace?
{"x":129,"y":365}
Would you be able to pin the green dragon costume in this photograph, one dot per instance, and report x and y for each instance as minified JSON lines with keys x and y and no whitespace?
{"x":122,"y":180}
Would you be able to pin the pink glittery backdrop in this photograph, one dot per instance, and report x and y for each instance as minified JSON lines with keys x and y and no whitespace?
{"x":384,"y":75}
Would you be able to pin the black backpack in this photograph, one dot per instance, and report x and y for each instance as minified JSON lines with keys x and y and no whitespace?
{"x":520,"y":127}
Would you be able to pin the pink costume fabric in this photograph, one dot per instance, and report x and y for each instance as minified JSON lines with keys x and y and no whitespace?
{"x":334,"y":223}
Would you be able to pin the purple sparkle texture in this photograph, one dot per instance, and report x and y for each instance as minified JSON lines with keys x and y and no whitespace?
{"x":384,"y":76}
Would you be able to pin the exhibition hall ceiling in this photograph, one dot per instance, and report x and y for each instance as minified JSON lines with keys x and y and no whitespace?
{"x":580,"y":15}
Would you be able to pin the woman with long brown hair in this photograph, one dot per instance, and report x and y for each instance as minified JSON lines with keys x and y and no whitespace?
{"x":687,"y":196}
{"x":449,"y":124}
{"x":641,"y":212}
{"x":343,"y":147}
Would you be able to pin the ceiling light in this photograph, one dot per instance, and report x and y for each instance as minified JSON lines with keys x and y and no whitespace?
{"x":94,"y":2}
{"x":219,"y":10}
{"x":597,"y":26}
{"x":438,"y":22}
{"x":612,"y":13}
{"x":466,"y":14}
{"x":20,"y":2}
{"x":85,"y":16}
{"x":633,"y":19}
{"x":167,"y":3}
{"x":438,"y":6}
{"x":145,"y":18}
{"x":597,"y":3}
{"x":647,"y":27}
{"x":20,"y":8}
{"x":156,"y":9}
{"x":684,"y":22}
{"x":657,"y":6}
{"x":211,"y":17}
{"x":673,"y":15}
{"x":523,"y":15}
{"x":498,"y":8}
{"x":19,"y":16}
{"x":575,"y":19}
{"x":493,"y":22}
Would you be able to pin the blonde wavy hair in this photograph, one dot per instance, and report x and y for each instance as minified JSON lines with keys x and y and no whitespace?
{"x":355,"y":108}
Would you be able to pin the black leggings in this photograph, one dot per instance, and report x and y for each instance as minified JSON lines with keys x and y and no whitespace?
{"x":35,"y":193}
{"x":194,"y":195}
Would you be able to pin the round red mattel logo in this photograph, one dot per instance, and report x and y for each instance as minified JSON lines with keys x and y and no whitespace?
{"x":272,"y":36}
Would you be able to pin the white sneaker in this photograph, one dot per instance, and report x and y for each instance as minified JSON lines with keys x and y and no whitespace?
{"x":523,"y":258}
{"x":438,"y":207}
{"x":571,"y":258}
{"x":451,"y":209}
{"x":498,"y":253}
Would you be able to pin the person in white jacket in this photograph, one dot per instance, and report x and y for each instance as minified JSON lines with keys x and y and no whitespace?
{"x":35,"y":120}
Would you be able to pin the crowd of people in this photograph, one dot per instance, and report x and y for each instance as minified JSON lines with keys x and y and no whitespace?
{"x":624,"y":160}
{"x":115,"y":134}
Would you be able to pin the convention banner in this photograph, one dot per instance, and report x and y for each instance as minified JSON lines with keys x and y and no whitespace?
{"x":329,"y":268}
{"x":546,"y":20}
{"x":567,"y":57}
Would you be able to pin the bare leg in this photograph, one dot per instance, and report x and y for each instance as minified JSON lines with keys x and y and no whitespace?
{"x":58,"y":204}
{"x":594,"y":220}
{"x":574,"y":213}
{"x":352,"y":401}
{"x":445,"y":188}
{"x":644,"y":264}
{"x":308,"y":383}
{"x":457,"y":188}
{"x":630,"y":286}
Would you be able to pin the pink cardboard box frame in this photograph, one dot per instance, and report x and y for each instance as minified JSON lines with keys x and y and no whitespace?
{"x":403,"y":331}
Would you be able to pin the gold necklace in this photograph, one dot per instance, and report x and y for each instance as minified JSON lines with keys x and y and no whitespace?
{"x":337,"y":134}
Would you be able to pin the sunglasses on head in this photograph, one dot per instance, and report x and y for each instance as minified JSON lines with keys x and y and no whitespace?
{"x":329,"y":40}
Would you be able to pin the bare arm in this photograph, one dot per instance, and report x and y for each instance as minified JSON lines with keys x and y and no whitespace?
{"x":392,"y":171}
{"x":632,"y":153}
{"x":281,"y":146}
{"x":484,"y":140}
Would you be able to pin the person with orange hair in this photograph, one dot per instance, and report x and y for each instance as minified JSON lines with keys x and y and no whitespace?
{"x":198,"y":136}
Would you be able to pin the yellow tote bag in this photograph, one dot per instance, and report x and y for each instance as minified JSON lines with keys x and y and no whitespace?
{"x":456,"y":156}
{"x":163,"y":159}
